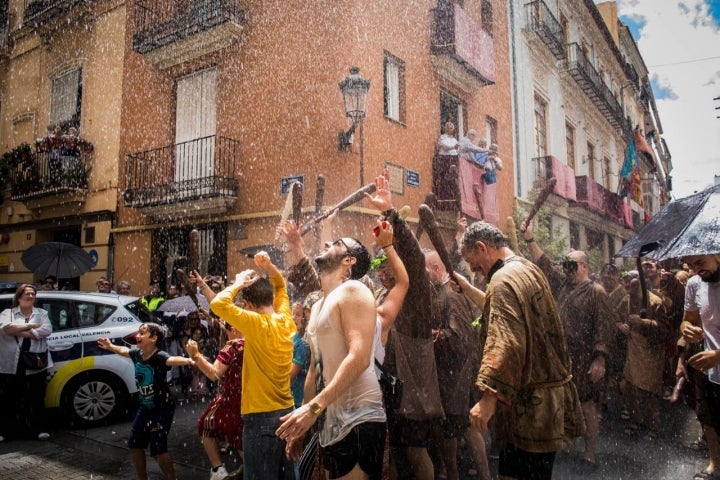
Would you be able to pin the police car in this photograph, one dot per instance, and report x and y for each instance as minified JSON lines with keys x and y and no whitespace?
{"x":90,"y":386}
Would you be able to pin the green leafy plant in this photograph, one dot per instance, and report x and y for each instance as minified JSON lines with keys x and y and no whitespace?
{"x":552,"y":240}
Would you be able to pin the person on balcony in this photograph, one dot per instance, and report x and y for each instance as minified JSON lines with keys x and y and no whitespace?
{"x":447,"y":143}
{"x":446,"y":160}
{"x":468,"y":150}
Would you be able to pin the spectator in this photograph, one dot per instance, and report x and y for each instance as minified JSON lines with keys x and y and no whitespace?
{"x":123,"y":287}
{"x":104,"y":285}
{"x":23,"y":327}
{"x":152,"y":298}
{"x":447,"y":143}
{"x":49,"y":283}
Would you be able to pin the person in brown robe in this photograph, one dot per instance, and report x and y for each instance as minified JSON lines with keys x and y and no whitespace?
{"x":588,"y":320}
{"x":643,"y":372}
{"x":525,"y":369}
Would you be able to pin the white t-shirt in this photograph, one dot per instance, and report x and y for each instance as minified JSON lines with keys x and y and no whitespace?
{"x":705,"y":297}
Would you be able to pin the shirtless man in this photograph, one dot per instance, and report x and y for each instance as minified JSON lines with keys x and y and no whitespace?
{"x":341,"y":382}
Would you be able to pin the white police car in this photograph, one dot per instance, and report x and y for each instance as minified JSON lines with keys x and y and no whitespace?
{"x":90,"y":385}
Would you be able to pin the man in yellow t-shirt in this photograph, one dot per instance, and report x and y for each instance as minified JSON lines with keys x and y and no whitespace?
{"x":267,"y":323}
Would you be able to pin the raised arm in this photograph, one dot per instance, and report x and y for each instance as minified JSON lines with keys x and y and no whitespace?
{"x":390,"y":308}
{"x":213,"y":371}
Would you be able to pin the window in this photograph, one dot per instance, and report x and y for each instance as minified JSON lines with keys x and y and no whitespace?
{"x":59,"y":313}
{"x":394,"y":83}
{"x":591,"y":160}
{"x":606,"y":173}
{"x":490,"y":130}
{"x":487,"y":17}
{"x":452,"y":109}
{"x":611,"y":246}
{"x":540,"y":127}
{"x":570,"y":145}
{"x":66,"y":99}
{"x":565,"y":25}
{"x":574,"y":236}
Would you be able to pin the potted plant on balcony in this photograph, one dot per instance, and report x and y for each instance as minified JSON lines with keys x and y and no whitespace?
{"x":20,"y":160}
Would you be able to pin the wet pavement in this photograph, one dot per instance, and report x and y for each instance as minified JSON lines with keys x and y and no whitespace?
{"x":101,"y":453}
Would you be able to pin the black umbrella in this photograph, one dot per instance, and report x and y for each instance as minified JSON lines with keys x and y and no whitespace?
{"x":688,"y":226}
{"x":63,"y":260}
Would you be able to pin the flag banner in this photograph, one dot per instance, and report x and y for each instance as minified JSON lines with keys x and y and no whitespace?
{"x":630,"y":163}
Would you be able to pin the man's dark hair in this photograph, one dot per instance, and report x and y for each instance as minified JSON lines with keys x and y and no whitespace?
{"x":362,"y":257}
{"x":611,"y":269}
{"x":483,"y":232}
{"x":260,"y":293}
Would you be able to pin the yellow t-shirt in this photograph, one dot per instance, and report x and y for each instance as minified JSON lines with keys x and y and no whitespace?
{"x":268,"y":349}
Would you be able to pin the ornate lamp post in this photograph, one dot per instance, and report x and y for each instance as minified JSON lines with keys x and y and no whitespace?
{"x":354,"y":89}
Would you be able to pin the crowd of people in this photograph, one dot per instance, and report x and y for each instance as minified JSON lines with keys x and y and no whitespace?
{"x":527,"y":353}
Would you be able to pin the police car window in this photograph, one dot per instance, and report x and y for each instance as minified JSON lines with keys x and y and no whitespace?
{"x":59,"y":312}
{"x":137,"y":309}
{"x":92,"y":314}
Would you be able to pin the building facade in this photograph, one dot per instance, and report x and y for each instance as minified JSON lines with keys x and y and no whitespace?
{"x":60,"y":94}
{"x":582,"y":96}
{"x":201,"y":115}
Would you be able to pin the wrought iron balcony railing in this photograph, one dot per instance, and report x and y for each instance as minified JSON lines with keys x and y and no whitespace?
{"x":39,"y":12}
{"x":584,"y":73}
{"x":188,"y":171}
{"x":50,"y":172}
{"x":543,"y":22}
{"x":160,"y":23}
{"x":461,"y":38}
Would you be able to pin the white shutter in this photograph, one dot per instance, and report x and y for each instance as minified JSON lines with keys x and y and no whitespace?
{"x":64,"y":102}
{"x":392,"y":77}
{"x":195,"y":118}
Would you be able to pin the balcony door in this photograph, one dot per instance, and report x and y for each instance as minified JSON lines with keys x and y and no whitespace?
{"x":195,"y":121}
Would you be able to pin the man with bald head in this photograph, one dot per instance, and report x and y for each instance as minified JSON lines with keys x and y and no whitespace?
{"x":588,"y":319}
{"x":457,"y":347}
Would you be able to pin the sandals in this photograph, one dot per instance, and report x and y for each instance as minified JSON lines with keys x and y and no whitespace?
{"x":632,"y":429}
{"x":705,"y":475}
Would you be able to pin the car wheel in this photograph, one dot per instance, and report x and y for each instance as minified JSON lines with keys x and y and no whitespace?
{"x":94,"y":398}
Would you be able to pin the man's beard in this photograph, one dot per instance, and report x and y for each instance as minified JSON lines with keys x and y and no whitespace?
{"x":327,"y":262}
{"x":712,"y":278}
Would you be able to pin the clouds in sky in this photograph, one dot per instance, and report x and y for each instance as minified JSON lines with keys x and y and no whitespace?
{"x":680,"y":43}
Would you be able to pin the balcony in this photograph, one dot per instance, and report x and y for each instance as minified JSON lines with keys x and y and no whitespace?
{"x":580,"y":69}
{"x":169,"y":32}
{"x":40,"y":12}
{"x":548,"y":167}
{"x":543,"y":22}
{"x":51,"y":176}
{"x":186,"y":179}
{"x":463,"y":51}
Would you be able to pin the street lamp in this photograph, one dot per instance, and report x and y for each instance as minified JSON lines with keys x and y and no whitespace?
{"x":354,"y":89}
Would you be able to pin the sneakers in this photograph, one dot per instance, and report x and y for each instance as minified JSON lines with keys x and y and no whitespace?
{"x":43,"y":436}
{"x":220,"y":474}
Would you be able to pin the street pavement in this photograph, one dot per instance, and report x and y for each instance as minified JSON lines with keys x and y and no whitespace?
{"x":101,"y":453}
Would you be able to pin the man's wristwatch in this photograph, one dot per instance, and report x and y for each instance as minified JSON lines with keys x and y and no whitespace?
{"x":315,"y":408}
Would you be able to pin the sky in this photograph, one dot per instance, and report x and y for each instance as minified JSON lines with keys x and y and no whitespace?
{"x":679,"y":41}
